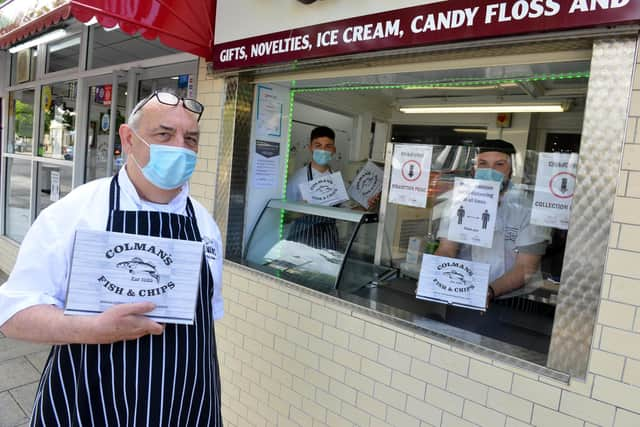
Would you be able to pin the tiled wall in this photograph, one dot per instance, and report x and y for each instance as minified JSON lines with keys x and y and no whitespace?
{"x":290,"y":358}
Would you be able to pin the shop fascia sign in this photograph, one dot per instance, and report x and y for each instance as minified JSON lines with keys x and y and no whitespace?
{"x":447,"y":21}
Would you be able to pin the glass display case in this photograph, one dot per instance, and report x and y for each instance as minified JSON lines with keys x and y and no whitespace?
{"x":329,"y":249}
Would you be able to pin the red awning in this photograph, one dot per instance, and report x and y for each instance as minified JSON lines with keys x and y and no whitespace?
{"x":14,"y":32}
{"x":186,"y":26}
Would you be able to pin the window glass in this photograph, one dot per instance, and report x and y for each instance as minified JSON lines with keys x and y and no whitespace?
{"x":117,"y":47}
{"x":21,"y":132}
{"x":58,"y":121}
{"x":178,"y":84}
{"x":23,"y":65}
{"x":63,"y":54}
{"x":99,"y":129}
{"x":18,"y":195}
{"x":475,"y":207}
{"x":54,"y":182}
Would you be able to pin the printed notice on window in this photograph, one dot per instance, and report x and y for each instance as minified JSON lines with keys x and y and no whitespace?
{"x":266,"y":164}
{"x":327,"y":190}
{"x":270,"y":110}
{"x":411,"y":165}
{"x":555,"y":184}
{"x":454,"y":281}
{"x":115,"y":268}
{"x":472,"y":212}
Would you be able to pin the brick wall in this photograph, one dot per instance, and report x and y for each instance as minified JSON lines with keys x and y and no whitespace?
{"x":289,"y":357}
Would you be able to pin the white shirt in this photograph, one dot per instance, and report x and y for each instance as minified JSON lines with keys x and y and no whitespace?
{"x":513,"y":231}
{"x":42,"y":269}
{"x":300,"y":177}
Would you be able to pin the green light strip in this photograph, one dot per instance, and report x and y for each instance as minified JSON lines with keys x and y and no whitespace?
{"x":441,"y":83}
{"x":286,"y":159}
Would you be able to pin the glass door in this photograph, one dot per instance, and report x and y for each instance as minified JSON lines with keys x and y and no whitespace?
{"x":106,"y":112}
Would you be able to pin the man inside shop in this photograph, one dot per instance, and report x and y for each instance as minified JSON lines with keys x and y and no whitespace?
{"x":316,"y":231}
{"x":119,"y":367}
{"x":518,"y":246}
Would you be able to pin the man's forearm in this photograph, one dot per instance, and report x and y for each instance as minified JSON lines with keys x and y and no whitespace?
{"x":47,"y":324}
{"x":512,"y":279}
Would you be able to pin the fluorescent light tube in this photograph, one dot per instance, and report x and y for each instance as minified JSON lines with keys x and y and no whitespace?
{"x":45,"y":38}
{"x":65,"y":44}
{"x":470,"y":130}
{"x":497,"y":108}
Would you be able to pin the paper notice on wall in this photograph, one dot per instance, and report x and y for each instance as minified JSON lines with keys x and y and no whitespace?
{"x":327,"y":190}
{"x":454,"y":281}
{"x":411,"y":165}
{"x":270,"y":110}
{"x":472,"y":212}
{"x":54,"y":195}
{"x":266,"y":164}
{"x":366,"y":184}
{"x":555,"y":184}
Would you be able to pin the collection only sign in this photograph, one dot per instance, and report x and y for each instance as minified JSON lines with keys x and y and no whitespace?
{"x":410,"y":170}
{"x":555,"y":184}
{"x":454,"y":281}
{"x":115,"y":268}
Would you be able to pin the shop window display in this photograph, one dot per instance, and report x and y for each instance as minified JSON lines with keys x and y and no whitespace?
{"x":475,"y":214}
{"x":21,"y":130}
{"x":58,"y":121}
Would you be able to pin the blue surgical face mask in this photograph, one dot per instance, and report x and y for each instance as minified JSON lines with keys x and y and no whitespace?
{"x":169,"y":167}
{"x":489,"y":174}
{"x":322,"y":157}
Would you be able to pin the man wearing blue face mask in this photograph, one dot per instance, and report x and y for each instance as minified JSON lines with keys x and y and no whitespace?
{"x":322,"y":145}
{"x":120,"y":367}
{"x":517,"y":246}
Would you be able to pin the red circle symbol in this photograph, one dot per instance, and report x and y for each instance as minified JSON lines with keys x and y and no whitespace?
{"x":411,"y":170}
{"x":562,"y":182}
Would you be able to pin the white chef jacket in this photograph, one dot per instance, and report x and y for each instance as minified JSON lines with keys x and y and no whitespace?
{"x":41,"y":271}
{"x":300,"y":177}
{"x":513,"y":233}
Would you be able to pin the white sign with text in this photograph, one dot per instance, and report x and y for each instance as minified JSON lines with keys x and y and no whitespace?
{"x":472,"y":213}
{"x":327,"y":190}
{"x":366,"y":184}
{"x":411,"y":166}
{"x":555,"y":184}
{"x":454,"y":281}
{"x":115,"y":268}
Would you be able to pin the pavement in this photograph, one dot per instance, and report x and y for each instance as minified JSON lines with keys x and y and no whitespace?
{"x":20,"y":367}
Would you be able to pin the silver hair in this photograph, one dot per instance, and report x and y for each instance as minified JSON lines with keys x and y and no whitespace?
{"x":134,"y":119}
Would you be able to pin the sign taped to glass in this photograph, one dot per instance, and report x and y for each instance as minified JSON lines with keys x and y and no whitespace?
{"x":454,"y":281}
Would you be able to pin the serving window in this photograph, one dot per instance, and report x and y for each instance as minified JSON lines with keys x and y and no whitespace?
{"x":467,"y":178}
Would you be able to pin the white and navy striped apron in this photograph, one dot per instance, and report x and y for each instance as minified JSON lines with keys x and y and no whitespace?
{"x":156,"y":380}
{"x":316,"y":231}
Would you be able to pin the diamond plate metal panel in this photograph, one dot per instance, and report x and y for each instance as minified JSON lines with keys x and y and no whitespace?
{"x":225,"y":155}
{"x":232,"y":167}
{"x":603,"y":133}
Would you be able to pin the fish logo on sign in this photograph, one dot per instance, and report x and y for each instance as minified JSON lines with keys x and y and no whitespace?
{"x":137,"y":266}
